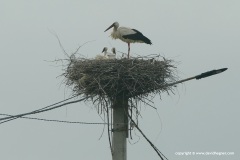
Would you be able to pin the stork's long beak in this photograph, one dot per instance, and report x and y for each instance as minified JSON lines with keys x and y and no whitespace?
{"x":109,"y":27}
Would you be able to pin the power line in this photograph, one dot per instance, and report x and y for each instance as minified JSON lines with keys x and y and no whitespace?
{"x":44,"y":109}
{"x":60,"y":121}
{"x":160,"y":154}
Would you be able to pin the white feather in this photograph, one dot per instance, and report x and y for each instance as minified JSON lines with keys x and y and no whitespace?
{"x":122,"y":31}
{"x":100,"y":56}
{"x":112,"y":55}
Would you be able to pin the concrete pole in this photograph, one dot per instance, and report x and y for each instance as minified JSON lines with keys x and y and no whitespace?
{"x":120,"y":119}
{"x":120,"y":128}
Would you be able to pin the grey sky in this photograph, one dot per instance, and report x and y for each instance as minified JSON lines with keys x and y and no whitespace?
{"x":200,"y":35}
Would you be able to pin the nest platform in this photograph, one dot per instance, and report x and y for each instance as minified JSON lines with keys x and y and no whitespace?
{"x":111,"y":78}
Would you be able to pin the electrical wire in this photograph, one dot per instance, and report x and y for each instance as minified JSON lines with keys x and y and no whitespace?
{"x":160,"y":154}
{"x":60,"y":121}
{"x":44,"y":109}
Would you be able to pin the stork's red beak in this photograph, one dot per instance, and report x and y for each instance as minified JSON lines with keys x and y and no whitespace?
{"x":109,"y":27}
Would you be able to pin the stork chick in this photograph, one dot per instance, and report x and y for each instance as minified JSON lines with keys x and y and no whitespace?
{"x":112,"y":55}
{"x":104,"y":56}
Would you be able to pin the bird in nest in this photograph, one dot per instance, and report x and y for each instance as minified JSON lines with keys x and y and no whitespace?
{"x":112,"y":55}
{"x":106,"y":54}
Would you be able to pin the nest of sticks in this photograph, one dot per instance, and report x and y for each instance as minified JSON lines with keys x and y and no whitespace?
{"x":105,"y":81}
{"x":108,"y":79}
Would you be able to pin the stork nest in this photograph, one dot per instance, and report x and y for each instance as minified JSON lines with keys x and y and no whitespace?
{"x":110,"y":78}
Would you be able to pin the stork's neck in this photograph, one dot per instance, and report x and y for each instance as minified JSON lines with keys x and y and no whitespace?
{"x":115,"y":28}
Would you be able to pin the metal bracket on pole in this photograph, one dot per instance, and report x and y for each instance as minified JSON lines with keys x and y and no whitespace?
{"x":202,"y":75}
{"x":210,"y":73}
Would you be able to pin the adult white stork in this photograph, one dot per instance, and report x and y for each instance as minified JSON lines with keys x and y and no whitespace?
{"x":127,"y":35}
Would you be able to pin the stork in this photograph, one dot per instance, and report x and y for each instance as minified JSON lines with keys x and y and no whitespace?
{"x":127,"y":35}
{"x":112,"y":55}
{"x":101,"y":57}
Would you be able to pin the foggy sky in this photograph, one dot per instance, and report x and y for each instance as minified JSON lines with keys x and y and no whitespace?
{"x":202,"y":116}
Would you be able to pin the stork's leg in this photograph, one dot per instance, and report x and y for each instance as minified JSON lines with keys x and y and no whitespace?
{"x":128,"y":50}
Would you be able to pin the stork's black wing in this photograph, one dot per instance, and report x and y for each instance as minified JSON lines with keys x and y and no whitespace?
{"x":138,"y":36}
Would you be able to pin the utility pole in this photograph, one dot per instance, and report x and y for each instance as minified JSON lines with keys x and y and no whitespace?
{"x":120,"y":118}
{"x":120,"y":128}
